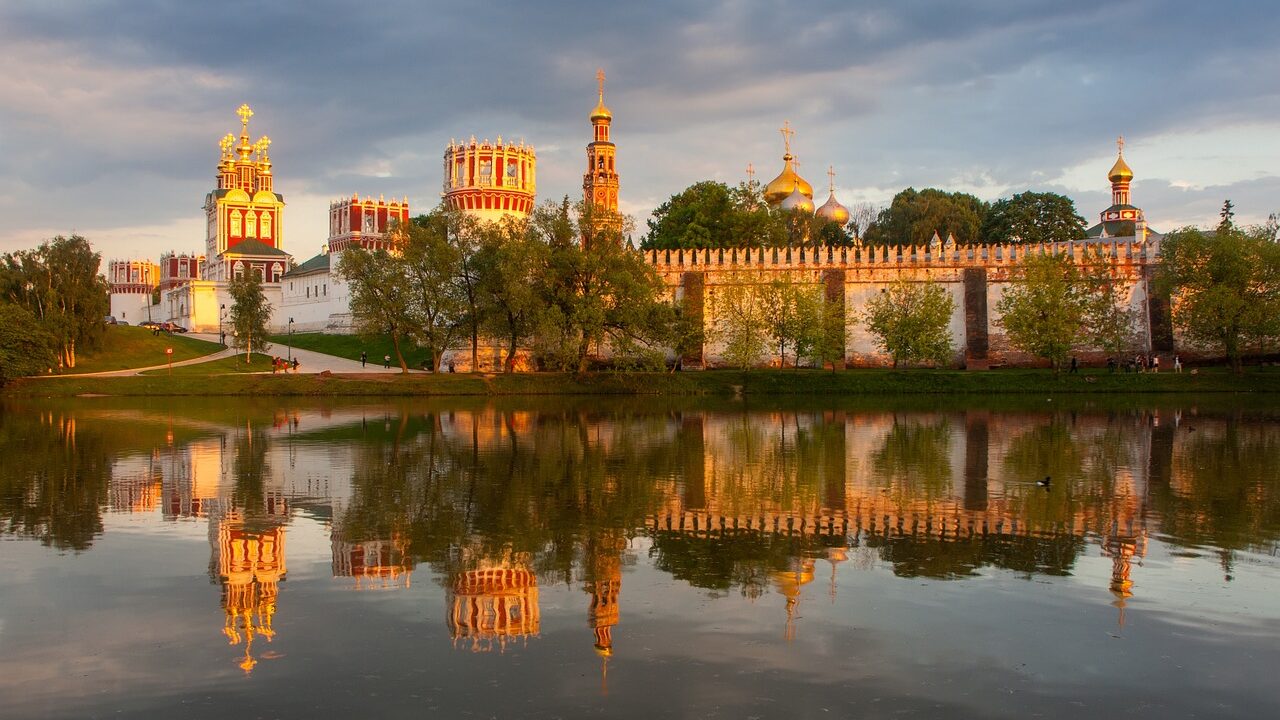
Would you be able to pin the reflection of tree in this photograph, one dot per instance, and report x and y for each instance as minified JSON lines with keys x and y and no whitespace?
{"x":914,"y":462}
{"x":55,"y":488}
{"x":1223,"y":491}
{"x":931,"y":556}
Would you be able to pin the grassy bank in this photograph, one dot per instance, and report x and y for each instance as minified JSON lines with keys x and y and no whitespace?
{"x":718,"y":382}
{"x":236,"y":364}
{"x":350,"y":347}
{"x":126,"y":347}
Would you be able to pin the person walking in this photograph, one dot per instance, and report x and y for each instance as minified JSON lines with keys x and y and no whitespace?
{"x":1075,"y":365}
{"x":386,"y":362}
{"x":364,"y":357}
{"x":1155,"y":363}
{"x":295,"y":366}
{"x":1177,"y":364}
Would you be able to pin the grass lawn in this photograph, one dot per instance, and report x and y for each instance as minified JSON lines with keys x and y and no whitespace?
{"x":126,"y":346}
{"x":260,"y":363}
{"x":349,"y":346}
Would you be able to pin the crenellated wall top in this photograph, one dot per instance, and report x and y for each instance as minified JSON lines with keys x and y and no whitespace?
{"x":1121,"y":251}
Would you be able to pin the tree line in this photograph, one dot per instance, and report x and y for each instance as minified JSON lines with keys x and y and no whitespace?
{"x":711,"y":214}
{"x":53,"y":304}
{"x":559,"y":282}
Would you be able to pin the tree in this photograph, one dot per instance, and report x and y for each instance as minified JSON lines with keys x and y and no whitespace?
{"x":250,"y":313}
{"x":861,"y":216}
{"x":462,"y":232}
{"x":1032,"y":217}
{"x":829,"y":346}
{"x":597,"y":293}
{"x":1109,"y":318}
{"x":915,"y":215}
{"x":793,"y":317}
{"x":1224,"y":286}
{"x":381,"y":296}
{"x":508,"y":263}
{"x":911,"y":322}
{"x":739,"y":321}
{"x":58,"y":283}
{"x":437,"y":303}
{"x":26,"y":348}
{"x":710,"y":214}
{"x":1044,"y":312}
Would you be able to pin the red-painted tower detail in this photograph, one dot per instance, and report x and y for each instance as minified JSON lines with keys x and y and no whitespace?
{"x":245,"y":206}
{"x":365,"y":222}
{"x":600,"y":182}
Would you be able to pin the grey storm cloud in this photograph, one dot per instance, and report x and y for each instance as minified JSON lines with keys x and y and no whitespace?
{"x":112,"y":110}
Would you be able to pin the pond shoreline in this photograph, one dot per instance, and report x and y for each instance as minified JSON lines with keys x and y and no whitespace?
{"x":704,"y":383}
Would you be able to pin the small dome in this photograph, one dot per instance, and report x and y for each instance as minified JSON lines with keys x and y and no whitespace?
{"x":787,"y":182}
{"x":601,"y":112}
{"x":833,"y":211}
{"x":1120,"y":171}
{"x":797,"y":201}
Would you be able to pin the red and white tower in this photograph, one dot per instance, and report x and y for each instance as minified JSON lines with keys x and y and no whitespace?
{"x":490,"y":180}
{"x":600,"y":182}
{"x":367,"y":222}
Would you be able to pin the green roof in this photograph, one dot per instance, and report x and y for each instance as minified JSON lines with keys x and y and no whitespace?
{"x":319,"y":263}
{"x":255,"y":247}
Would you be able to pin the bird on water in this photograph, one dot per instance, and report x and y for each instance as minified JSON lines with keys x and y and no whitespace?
{"x":1045,"y":482}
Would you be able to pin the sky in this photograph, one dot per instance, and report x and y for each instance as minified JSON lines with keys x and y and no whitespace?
{"x":111,"y":112}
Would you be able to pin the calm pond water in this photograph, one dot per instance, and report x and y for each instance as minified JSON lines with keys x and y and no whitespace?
{"x":656,"y":558}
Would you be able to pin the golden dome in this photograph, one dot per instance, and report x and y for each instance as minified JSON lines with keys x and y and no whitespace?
{"x":787,"y":182}
{"x":601,"y":112}
{"x":798,"y":202}
{"x":1120,"y":171}
{"x":833,"y":211}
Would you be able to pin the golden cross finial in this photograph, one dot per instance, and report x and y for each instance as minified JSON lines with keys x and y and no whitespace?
{"x":261,"y":146}
{"x":600,"y":81}
{"x":787,"y":132}
{"x":1120,"y":145}
{"x":245,"y":112}
{"x":751,"y":173}
{"x":226,"y":142}
{"x":831,"y":178}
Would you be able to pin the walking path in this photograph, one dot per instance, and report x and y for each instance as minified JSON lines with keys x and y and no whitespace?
{"x":311,"y":361}
{"x":223,"y":353}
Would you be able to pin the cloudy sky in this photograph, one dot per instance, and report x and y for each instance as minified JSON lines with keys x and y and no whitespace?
{"x":110,"y":112}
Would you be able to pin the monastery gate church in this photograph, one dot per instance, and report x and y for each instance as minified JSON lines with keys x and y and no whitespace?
{"x":245,"y":233}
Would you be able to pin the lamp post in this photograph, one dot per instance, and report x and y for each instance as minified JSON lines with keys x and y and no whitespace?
{"x":290,"y":345}
{"x":222,"y":312}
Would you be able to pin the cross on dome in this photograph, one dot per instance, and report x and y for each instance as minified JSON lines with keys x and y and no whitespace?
{"x":787,"y":133}
{"x":245,"y":112}
{"x":831,"y":178}
{"x":600,"y":81}
{"x":1120,"y":145}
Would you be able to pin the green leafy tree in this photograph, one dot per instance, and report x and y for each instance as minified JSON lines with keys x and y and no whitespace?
{"x":509,"y":262}
{"x":437,"y":302}
{"x":911,"y":322}
{"x":915,"y":215}
{"x":1032,"y":217}
{"x":739,"y":321}
{"x":1044,"y":312}
{"x":26,"y":348}
{"x":793,"y":317}
{"x":250,"y":314}
{"x":597,"y":293}
{"x":382,"y":298}
{"x":1224,"y":285}
{"x":58,"y":283}
{"x":832,"y":338}
{"x":710,"y":214}
{"x":1109,"y":318}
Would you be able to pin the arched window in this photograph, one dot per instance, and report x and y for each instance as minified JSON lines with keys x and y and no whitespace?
{"x":236,"y":230}
{"x":266,"y":225}
{"x":251,"y":224}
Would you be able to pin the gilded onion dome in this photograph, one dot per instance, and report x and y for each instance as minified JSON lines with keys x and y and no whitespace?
{"x":1120,"y":172}
{"x":832,"y":210}
{"x":787,"y":182}
{"x":797,"y":201}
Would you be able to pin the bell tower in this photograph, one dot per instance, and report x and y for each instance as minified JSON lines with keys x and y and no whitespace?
{"x":600,"y":182}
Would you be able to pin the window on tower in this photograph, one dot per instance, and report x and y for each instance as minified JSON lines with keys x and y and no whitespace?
{"x":251,"y":224}
{"x":266,"y":226}
{"x":236,"y":228}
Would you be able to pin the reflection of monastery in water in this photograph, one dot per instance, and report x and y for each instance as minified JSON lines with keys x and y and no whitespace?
{"x":770,"y":503}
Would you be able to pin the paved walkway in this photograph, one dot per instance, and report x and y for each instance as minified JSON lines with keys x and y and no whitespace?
{"x":311,"y":361}
{"x":223,"y":353}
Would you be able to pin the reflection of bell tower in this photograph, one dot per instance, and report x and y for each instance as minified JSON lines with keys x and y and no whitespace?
{"x":250,"y":565}
{"x":604,"y":584}
{"x":789,"y":583}
{"x":495,"y":602}
{"x":372,"y":563}
{"x":1121,"y":549}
